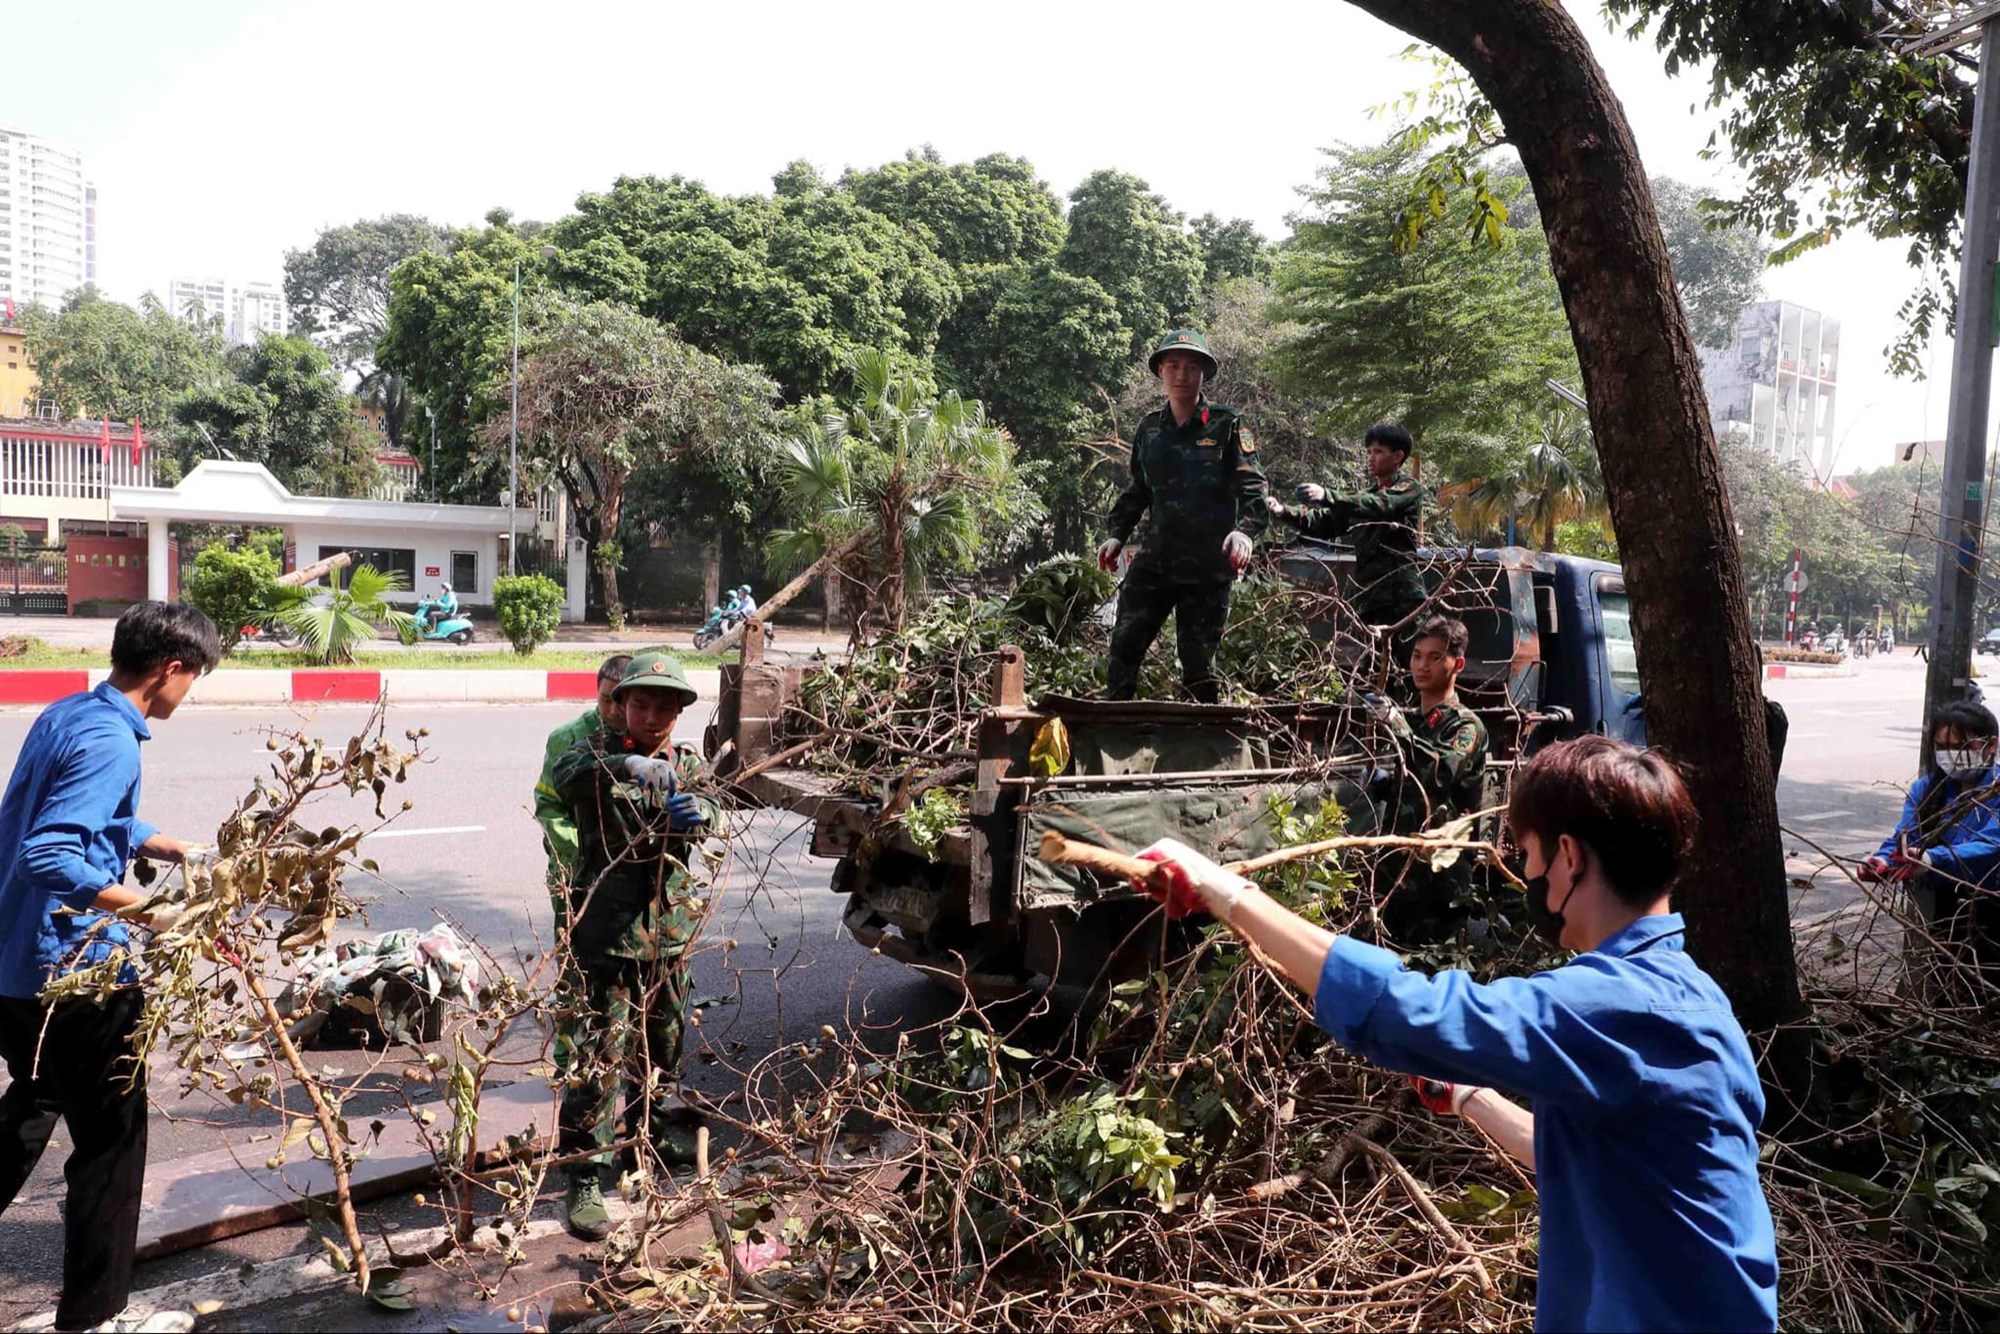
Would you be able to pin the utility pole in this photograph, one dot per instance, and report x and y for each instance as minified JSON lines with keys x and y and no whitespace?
{"x":514,"y":424}
{"x":1962,"y":503}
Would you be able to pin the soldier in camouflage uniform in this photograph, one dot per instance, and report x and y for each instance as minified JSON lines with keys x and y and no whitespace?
{"x":1195,"y":468}
{"x":1380,"y":522}
{"x":1444,"y":750}
{"x":632,"y":917}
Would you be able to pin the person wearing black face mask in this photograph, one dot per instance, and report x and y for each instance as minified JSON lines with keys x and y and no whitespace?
{"x":1945,"y":850}
{"x":1647,"y":1102}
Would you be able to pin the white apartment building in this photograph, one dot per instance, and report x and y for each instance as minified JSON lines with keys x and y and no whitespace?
{"x":247,"y":310}
{"x":1775,"y":383}
{"x":48,"y":221}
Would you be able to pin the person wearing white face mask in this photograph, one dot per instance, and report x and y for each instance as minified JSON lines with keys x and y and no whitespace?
{"x":1946,"y":848}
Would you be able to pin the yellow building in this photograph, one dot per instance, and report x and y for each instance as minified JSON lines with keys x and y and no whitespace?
{"x":17,"y":373}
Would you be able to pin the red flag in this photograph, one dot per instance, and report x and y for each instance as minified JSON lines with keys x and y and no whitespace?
{"x":138,"y":441}
{"x":104,"y":440}
{"x":10,"y":310}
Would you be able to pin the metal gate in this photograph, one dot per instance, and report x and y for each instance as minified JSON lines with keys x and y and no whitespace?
{"x":34,"y":581}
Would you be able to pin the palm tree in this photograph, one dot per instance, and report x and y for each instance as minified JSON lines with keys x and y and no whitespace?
{"x":1556,"y":481}
{"x":331,"y":621}
{"x":910,"y":483}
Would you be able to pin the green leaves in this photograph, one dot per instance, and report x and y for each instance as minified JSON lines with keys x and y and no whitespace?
{"x":331,"y":622}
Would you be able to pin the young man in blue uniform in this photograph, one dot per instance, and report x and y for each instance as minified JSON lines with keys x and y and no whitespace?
{"x":1644,"y":1134}
{"x":69,"y":828}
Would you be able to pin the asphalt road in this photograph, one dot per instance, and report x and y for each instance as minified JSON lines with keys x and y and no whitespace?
{"x":469,"y":853}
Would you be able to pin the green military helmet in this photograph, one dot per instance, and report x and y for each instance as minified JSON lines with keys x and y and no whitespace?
{"x":655,"y":667}
{"x":1185,"y":340}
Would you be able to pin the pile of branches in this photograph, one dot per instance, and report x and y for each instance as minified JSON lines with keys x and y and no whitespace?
{"x":1190,"y":1153}
{"x":913,"y":698}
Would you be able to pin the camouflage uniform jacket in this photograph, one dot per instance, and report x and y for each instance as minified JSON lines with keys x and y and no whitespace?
{"x":558,"y":829}
{"x":1201,"y":480}
{"x":1447,"y":753}
{"x":631,"y":872}
{"x":1381,"y":525}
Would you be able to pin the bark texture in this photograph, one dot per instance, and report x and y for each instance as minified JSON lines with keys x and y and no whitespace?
{"x":1698,"y":659}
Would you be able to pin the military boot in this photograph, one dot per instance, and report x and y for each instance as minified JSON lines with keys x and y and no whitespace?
{"x":583,"y":1207}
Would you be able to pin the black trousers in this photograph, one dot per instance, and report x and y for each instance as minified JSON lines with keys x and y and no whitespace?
{"x":1149,"y":596}
{"x":80,"y":1077}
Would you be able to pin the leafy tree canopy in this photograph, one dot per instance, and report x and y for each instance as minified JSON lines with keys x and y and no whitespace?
{"x":1452,"y":335}
{"x":1137,"y":248}
{"x":338,"y":288}
{"x":97,"y":357}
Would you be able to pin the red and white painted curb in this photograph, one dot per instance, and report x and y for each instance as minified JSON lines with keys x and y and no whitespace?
{"x":334,"y":686}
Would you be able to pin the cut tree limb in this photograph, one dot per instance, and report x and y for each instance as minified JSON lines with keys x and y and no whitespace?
{"x":734,"y":635}
{"x":319,"y":569}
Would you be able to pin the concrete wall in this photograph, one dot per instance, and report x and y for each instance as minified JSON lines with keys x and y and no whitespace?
{"x":433,"y":547}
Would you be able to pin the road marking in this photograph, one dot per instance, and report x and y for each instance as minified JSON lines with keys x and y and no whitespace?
{"x":422,"y":833}
{"x":1803,"y":736}
{"x":1820,"y":815}
{"x":1867,"y":713}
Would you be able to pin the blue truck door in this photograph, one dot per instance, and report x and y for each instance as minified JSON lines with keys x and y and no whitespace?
{"x":1621,"y":714}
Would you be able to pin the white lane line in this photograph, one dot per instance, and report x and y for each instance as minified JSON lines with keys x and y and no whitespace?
{"x":1803,"y":736}
{"x":424,"y":833}
{"x":1819,"y":815}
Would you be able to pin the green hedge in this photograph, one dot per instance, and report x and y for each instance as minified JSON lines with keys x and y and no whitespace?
{"x":234,"y":588}
{"x":529,"y":607}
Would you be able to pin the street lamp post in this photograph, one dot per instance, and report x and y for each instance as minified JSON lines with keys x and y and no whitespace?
{"x":430,"y":414}
{"x":514,"y":417}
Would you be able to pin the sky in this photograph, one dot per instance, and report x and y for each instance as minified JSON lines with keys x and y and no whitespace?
{"x":221,"y":133}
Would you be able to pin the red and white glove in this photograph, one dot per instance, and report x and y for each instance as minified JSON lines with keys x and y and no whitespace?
{"x":1236,"y":550}
{"x":1107,"y":555}
{"x":1894,"y":870}
{"x":1193,"y":883}
{"x":1441,"y":1098}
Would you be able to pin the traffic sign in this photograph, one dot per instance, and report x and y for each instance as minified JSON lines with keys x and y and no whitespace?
{"x":1796,"y":581}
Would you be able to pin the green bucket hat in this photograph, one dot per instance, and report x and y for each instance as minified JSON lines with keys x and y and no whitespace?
{"x":1184,"y":340}
{"x":655,"y":667}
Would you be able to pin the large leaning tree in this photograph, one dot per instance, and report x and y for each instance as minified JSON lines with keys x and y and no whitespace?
{"x":1698,"y":660}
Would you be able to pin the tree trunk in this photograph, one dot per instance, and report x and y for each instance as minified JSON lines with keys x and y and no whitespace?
{"x":830,"y":595}
{"x":1662,"y":472}
{"x":784,"y":595}
{"x":608,"y":556}
{"x":711,"y":574}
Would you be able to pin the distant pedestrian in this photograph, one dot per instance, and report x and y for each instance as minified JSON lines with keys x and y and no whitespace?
{"x":69,"y":829}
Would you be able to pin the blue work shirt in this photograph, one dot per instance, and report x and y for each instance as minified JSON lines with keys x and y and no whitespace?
{"x":1966,"y":846}
{"x":68,"y":828}
{"x":1646,"y":1113}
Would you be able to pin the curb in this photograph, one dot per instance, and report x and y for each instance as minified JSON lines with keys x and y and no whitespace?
{"x":1804,"y":671}
{"x":313,"y":686}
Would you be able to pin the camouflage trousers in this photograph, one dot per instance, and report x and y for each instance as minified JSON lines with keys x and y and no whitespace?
{"x":618,"y":1047}
{"x":1201,"y":612}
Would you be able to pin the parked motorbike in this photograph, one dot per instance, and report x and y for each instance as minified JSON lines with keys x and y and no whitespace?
{"x":438,"y":617}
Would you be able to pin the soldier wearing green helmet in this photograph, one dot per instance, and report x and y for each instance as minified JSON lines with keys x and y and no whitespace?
{"x":632,"y":916}
{"x":1194,"y":467}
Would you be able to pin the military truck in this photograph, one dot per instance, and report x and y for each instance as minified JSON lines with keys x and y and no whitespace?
{"x":1550,"y":656}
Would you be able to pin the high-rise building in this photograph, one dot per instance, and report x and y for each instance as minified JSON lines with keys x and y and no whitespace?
{"x":48,"y":221}
{"x":1774,"y":383}
{"x":247,"y":310}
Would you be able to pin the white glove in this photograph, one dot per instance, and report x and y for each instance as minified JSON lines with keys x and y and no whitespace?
{"x":1311,"y":491}
{"x":1236,"y":547}
{"x":654,"y":775}
{"x":1274,"y":505}
{"x":1107,"y":554}
{"x":200,"y":856}
{"x":163,"y":917}
{"x":1220,"y":890}
{"x":1385,"y":712}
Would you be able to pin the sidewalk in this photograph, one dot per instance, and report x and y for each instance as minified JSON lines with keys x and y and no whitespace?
{"x":95,"y":633}
{"x":333,"y":685}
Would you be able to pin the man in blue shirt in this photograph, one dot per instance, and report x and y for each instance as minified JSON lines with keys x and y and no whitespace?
{"x":69,"y":828}
{"x":1644,"y":1133}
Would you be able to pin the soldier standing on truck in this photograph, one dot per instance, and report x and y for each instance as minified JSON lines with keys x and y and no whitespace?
{"x":1195,"y":467}
{"x":1444,"y":749}
{"x":1380,"y":521}
{"x":632,"y":915}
